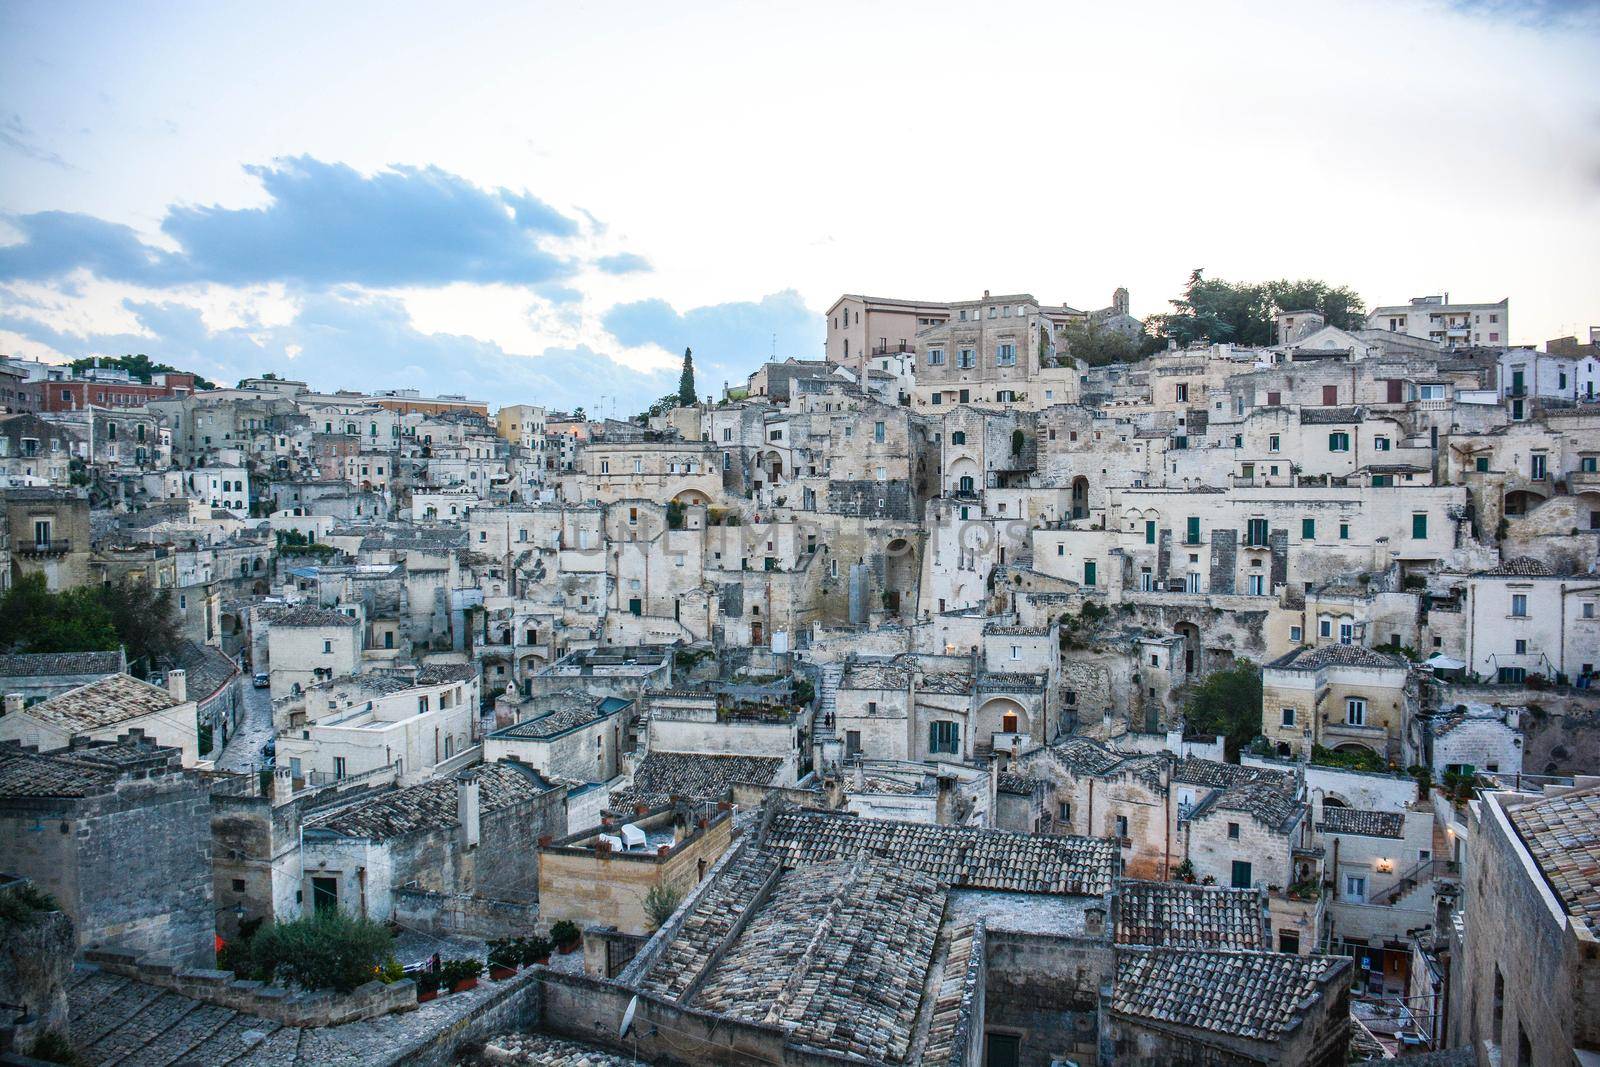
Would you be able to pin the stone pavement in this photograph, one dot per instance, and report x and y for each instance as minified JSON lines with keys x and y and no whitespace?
{"x":242,"y":753}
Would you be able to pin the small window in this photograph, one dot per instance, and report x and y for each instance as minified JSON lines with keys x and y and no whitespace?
{"x":1233,"y":831}
{"x":1355,"y":711}
{"x":1288,"y":717}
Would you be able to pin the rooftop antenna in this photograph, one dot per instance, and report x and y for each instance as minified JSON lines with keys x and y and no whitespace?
{"x":774,"y":346}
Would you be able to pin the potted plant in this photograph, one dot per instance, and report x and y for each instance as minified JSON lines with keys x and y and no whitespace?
{"x":460,"y":975}
{"x":427,"y":986}
{"x":534,"y":949}
{"x":566,"y":935}
{"x":504,"y":955}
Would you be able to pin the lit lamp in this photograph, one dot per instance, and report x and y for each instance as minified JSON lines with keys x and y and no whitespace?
{"x":1385,"y":866}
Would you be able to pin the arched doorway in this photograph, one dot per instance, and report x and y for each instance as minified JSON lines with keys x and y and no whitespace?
{"x":1080,"y":497}
{"x":1522,"y":501}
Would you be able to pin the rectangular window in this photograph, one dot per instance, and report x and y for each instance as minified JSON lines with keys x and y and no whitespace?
{"x":1344,"y":531}
{"x":1295,"y":634}
{"x":1355,"y":887}
{"x":944,"y":737}
{"x":338,"y":767}
{"x":1005,"y":355}
{"x":1274,"y":443}
{"x":1256,"y":533}
{"x":1355,"y":711}
{"x":1419,"y":526}
{"x":1149,"y":531}
{"x":1288,"y":717}
{"x":1519,"y":605}
{"x":1537,"y":466}
{"x":1274,"y":398}
{"x":1380,"y":444}
{"x":935,"y":357}
{"x":1241,"y":874}
{"x":1191,"y":533}
{"x":966,"y":358}
{"x":878,"y":432}
{"x":1308,"y":529}
{"x":1258,"y":585}
{"x":1064,"y":811}
{"x":1233,"y":831}
{"x":1330,"y":395}
{"x":1338,"y":441}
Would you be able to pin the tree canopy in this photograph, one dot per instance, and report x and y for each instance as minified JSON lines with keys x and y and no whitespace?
{"x":686,"y":394}
{"x":1212,"y":310}
{"x":98,"y":618}
{"x":1096,"y":347}
{"x":1228,"y":703}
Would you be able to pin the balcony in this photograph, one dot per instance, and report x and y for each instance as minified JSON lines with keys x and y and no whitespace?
{"x":884,"y":348}
{"x":45,"y":548}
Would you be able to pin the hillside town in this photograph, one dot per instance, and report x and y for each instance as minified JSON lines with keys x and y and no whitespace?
{"x":959,"y":697}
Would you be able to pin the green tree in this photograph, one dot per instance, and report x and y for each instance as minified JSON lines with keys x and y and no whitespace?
{"x":33,"y":619}
{"x":686,"y":394}
{"x":1228,"y":703}
{"x":325,"y":950}
{"x":1212,"y":310}
{"x":144,"y":617}
{"x":1096,"y":347}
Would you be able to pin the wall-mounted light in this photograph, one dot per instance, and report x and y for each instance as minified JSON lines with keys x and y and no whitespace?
{"x":1385,"y":866}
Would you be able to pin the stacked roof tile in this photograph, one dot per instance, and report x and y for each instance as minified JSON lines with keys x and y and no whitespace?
{"x":1337,"y":820}
{"x":1254,"y":995}
{"x":1175,"y":915}
{"x":432,"y":805}
{"x":1562,"y":835}
{"x":693,"y":775}
{"x":962,"y":856}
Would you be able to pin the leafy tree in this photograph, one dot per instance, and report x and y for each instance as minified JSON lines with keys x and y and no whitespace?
{"x":1212,"y":310}
{"x":660,"y":407}
{"x":33,"y":619}
{"x":325,"y":950}
{"x":1096,"y":347}
{"x":1228,"y":703}
{"x":144,"y":617}
{"x":686,"y":395}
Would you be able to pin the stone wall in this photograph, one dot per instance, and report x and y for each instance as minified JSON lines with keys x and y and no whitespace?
{"x":1046,"y":990}
{"x":35,"y":959}
{"x":289,"y":1007}
{"x":463,"y":914}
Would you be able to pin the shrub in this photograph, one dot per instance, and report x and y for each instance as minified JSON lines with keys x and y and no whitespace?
{"x":390,"y":971}
{"x":505,"y":952}
{"x":428,"y":982}
{"x":453,"y":971}
{"x":325,"y":950}
{"x":534,"y":949}
{"x":20,"y":903}
{"x":565,"y":932}
{"x":1356,"y":759}
{"x":660,"y":902}
{"x":53,"y":1048}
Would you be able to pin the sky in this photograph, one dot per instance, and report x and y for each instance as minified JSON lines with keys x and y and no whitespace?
{"x":546,"y":203}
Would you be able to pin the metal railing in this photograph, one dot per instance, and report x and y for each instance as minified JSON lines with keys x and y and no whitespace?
{"x":45,"y":548}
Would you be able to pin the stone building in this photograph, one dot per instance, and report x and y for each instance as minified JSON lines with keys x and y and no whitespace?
{"x":106,"y":709}
{"x":119,"y":833}
{"x":474,"y":833}
{"x":1526,"y":989}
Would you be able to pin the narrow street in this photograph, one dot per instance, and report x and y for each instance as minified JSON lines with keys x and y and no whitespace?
{"x":243,"y":750}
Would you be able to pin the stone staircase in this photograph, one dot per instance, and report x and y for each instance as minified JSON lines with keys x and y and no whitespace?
{"x":827,"y":701}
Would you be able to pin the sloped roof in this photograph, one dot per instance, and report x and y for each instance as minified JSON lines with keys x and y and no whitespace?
{"x":1253,"y":995}
{"x":962,"y":856}
{"x":1340,"y":820}
{"x":1175,"y":915}
{"x":1562,"y":835}
{"x":696,"y":776}
{"x":1310,"y":659}
{"x":107,"y":701}
{"x":432,"y":805}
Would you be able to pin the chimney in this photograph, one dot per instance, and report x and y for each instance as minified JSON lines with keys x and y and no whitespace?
{"x":13,"y":704}
{"x":282,"y":785}
{"x":467,"y":808}
{"x":1094,"y":921}
{"x":178,"y":684}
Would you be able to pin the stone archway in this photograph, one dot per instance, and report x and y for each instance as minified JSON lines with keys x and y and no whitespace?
{"x":1080,"y":497}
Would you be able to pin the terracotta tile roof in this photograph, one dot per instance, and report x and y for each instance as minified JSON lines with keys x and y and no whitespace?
{"x":1253,"y":995}
{"x":1084,"y":755}
{"x":954,"y":1001}
{"x":1016,"y":784}
{"x":107,"y":701}
{"x":1193,"y":770}
{"x":308,"y":615}
{"x":1331,"y":416}
{"x":709,"y":923}
{"x":1337,"y":820}
{"x":839,"y":954}
{"x":1518,"y":567}
{"x":1175,"y":915}
{"x":1264,"y":801}
{"x":1562,"y":834}
{"x":432,"y":805}
{"x":1310,"y":659}
{"x":875,"y":676}
{"x":47,"y":664}
{"x":961,"y":856}
{"x":696,"y":776}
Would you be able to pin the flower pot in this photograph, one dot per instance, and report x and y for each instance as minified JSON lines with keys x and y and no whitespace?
{"x":424,"y":997}
{"x":464,"y":985}
{"x":500,"y":973}
{"x":569,"y":948}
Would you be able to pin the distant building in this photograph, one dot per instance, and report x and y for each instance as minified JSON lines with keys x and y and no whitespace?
{"x":1451,"y":324}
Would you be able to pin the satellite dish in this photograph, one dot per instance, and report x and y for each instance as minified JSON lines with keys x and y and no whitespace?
{"x":627,"y":1017}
